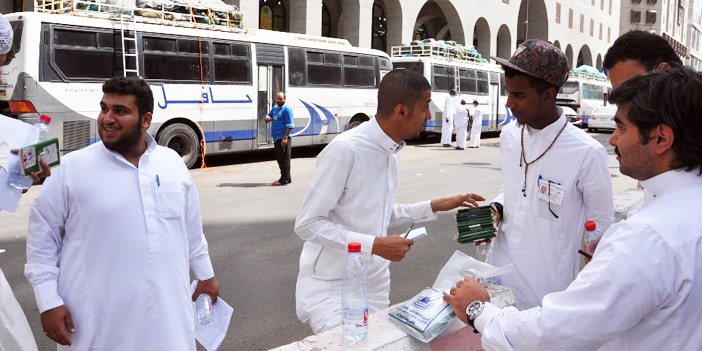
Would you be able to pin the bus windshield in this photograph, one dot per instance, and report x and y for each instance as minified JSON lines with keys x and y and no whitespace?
{"x":569,"y":88}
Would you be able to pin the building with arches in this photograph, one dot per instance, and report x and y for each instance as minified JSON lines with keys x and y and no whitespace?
{"x":583,"y":29}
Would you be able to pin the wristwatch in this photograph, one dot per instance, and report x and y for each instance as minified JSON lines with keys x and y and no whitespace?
{"x":472,"y":312}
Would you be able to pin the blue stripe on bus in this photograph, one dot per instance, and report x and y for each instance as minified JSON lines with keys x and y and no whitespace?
{"x":245,"y":134}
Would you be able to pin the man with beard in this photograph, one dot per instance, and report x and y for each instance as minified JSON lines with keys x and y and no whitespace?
{"x":111,"y":236}
{"x":351,"y":198}
{"x":282,"y":117}
{"x":555,"y":177}
{"x":643,"y":288}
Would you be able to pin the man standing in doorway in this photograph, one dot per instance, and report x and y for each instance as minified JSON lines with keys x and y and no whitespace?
{"x":282,"y":117}
{"x":450,"y":105}
{"x":351,"y":198}
{"x":555,"y":177}
{"x":476,"y":125}
{"x":113,"y":233}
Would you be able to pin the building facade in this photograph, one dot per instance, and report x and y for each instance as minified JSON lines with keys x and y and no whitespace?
{"x":667,"y":18}
{"x":694,"y":36}
{"x":583,"y":29}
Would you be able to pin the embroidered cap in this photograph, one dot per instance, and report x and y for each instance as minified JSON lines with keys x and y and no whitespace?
{"x":5,"y":35}
{"x":539,"y":59}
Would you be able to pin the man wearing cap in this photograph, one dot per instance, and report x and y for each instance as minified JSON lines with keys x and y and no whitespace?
{"x":555,"y":177}
{"x":450,"y":104}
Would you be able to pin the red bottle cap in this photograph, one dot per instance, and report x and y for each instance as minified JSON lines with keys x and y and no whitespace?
{"x":590,"y":226}
{"x":45,"y":118}
{"x":354,"y":247}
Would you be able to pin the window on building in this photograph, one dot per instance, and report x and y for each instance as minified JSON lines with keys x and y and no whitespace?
{"x":652,"y":2}
{"x":380,"y":28}
{"x":326,"y":22}
{"x":635,"y":16}
{"x":272,"y":15}
{"x":650,"y":17}
{"x":592,"y":27}
{"x":593,"y":2}
{"x":600,"y":37}
{"x":558,"y":12}
{"x":582,"y":23}
{"x":570,"y":18}
{"x":609,"y":34}
{"x":610,"y":7}
{"x":635,"y":1}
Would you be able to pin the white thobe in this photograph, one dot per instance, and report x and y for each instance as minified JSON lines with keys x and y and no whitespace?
{"x":461,"y":119}
{"x":543,"y":248}
{"x":113,"y":243}
{"x":351,"y":198}
{"x":476,"y":128}
{"x":447,"y":127}
{"x":641,"y":291}
{"x":15,"y":333}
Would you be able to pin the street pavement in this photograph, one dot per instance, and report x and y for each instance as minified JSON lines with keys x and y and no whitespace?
{"x":249,"y":228}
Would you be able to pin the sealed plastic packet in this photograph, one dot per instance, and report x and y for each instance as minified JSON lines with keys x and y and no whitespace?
{"x":424,"y":316}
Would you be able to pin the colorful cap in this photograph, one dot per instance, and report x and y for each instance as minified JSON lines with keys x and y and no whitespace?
{"x":5,"y":35}
{"x":539,"y":59}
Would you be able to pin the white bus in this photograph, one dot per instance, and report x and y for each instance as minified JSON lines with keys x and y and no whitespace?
{"x":212,"y":84}
{"x":583,"y":92}
{"x":471,"y":78}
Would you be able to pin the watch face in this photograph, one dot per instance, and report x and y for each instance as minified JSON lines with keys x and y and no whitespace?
{"x":474,"y":309}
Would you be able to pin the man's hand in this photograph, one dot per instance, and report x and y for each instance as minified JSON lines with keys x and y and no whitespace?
{"x":55,"y":323}
{"x":392,"y":247}
{"x":268,"y":119}
{"x":45,"y":170}
{"x":465,"y":292}
{"x":209,"y":287}
{"x":284,"y":142}
{"x":449,"y":203}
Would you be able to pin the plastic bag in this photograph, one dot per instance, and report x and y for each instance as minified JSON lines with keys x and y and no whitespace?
{"x":424,"y":316}
{"x":461,"y":265}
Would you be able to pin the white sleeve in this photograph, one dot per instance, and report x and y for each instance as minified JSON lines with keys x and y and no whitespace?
{"x":417,"y":213}
{"x":325,"y":190}
{"x":45,"y":231}
{"x":595,"y":183}
{"x":199,"y":253}
{"x":613,"y":293}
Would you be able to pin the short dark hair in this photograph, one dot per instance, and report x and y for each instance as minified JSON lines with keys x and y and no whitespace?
{"x":136,"y":86}
{"x":647,"y":48}
{"x":400,"y":87}
{"x":539,"y":84}
{"x":672,"y":98}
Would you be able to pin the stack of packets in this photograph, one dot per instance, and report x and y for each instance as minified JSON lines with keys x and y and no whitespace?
{"x":476,"y":223}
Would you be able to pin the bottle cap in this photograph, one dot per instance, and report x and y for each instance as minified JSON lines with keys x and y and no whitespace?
{"x":354,"y":247}
{"x":590,"y":226}
{"x":45,"y":118}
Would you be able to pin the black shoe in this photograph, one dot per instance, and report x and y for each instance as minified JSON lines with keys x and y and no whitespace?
{"x":447,"y":145}
{"x":459,"y":148}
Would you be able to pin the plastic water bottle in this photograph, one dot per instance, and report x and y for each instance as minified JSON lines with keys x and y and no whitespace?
{"x":481,"y":250}
{"x":203,"y":304}
{"x":354,"y":295}
{"x":592,"y":235}
{"x":41,"y":133}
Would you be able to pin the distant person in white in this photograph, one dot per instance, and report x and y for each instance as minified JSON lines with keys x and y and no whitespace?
{"x":450,"y":104}
{"x":476,"y":126}
{"x":351,"y":198}
{"x":461,"y":120}
{"x":643,"y":288}
{"x":112,"y":235}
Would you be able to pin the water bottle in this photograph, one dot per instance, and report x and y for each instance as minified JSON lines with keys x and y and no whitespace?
{"x":203,"y":304}
{"x":41,"y":133}
{"x":592,"y":235}
{"x":482,"y":249}
{"x":354,"y":295}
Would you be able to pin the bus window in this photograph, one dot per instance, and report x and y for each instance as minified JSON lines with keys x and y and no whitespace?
{"x":356,"y":74}
{"x":442,"y":78}
{"x":568,"y":88}
{"x":163,"y":62}
{"x":468,"y":85}
{"x":417,"y":67}
{"x":503,"y":91}
{"x":71,"y":46}
{"x":296,"y":67}
{"x":327,"y":72}
{"x":482,"y":81}
{"x":232,"y":63}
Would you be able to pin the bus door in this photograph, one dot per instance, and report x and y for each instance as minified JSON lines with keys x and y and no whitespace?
{"x":494,"y":102}
{"x":271,"y":72}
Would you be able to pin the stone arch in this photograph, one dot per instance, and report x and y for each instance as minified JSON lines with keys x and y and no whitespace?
{"x":393,"y":12}
{"x":584,"y":57}
{"x":335,"y":9}
{"x":557,"y":44}
{"x":599,"y":62}
{"x":481,"y":37}
{"x":569,"y":55}
{"x":437,"y":14}
{"x":504,"y":42}
{"x":533,"y":21}
{"x":278,"y":8}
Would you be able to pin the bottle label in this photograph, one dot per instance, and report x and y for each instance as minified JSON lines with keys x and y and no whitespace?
{"x":365,"y":317}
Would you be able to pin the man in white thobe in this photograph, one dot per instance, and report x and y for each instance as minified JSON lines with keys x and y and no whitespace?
{"x":351,"y":198}
{"x":461,"y":119}
{"x":555,"y":177}
{"x":450,"y":104}
{"x":112,"y":235}
{"x":476,"y":126}
{"x":643,"y":287}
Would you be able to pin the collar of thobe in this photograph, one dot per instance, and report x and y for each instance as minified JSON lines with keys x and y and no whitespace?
{"x":150,"y":146}
{"x":670,"y":180}
{"x":383,"y":140}
{"x":4,"y":155}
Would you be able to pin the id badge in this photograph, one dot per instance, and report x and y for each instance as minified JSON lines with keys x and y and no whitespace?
{"x":550,"y":191}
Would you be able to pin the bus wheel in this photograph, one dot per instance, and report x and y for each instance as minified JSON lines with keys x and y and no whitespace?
{"x":183,"y":140}
{"x":355,"y":123}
